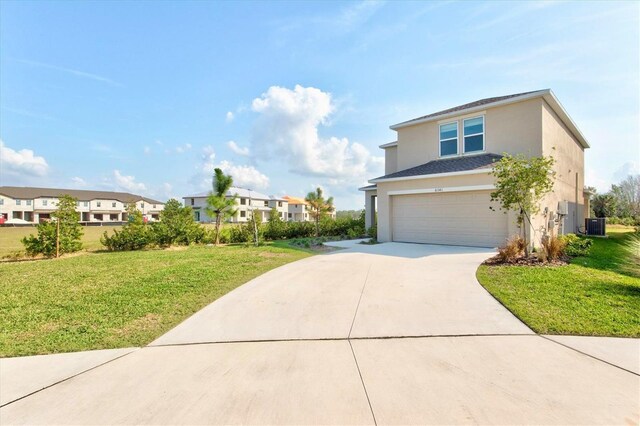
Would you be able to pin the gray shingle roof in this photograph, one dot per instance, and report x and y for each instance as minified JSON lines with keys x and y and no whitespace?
{"x":469,"y":105}
{"x":30,"y":193}
{"x":447,"y":165}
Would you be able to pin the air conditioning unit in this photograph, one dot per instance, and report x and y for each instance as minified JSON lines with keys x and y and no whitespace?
{"x":563,"y":208}
{"x":596,"y":226}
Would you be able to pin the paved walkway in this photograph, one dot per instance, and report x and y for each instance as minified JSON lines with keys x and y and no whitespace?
{"x":386,"y":334}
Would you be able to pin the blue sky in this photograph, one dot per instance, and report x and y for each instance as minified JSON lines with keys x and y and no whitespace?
{"x":148,"y":97}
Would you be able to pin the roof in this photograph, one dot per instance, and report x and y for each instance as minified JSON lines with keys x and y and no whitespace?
{"x":22,"y":192}
{"x":389,"y":145}
{"x":368,"y":187}
{"x":294,"y":200}
{"x":447,"y":165}
{"x":240,"y":192}
{"x":478,"y":105}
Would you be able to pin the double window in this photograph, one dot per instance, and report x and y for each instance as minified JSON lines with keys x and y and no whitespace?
{"x":472,"y":137}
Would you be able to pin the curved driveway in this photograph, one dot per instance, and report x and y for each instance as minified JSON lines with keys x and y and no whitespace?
{"x":384,"y":334}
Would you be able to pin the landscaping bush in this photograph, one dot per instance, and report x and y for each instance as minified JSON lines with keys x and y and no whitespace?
{"x":512,"y":250}
{"x":575,"y":245}
{"x":372,"y":232}
{"x":177,"y":226}
{"x":553,"y":248}
{"x":131,"y":237}
{"x":625,"y":221}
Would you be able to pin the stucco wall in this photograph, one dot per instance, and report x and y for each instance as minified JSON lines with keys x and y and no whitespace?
{"x":513,"y":128}
{"x":390,"y":160}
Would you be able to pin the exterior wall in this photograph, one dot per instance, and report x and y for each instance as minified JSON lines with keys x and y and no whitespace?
{"x":259,"y":206}
{"x":514,"y":128}
{"x":297,"y":213}
{"x":369,"y":208}
{"x":558,"y":142}
{"x":443,"y":184}
{"x":281,"y":206}
{"x":390,"y":160}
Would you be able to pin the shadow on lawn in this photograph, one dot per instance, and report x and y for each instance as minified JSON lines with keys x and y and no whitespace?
{"x":620,"y":253}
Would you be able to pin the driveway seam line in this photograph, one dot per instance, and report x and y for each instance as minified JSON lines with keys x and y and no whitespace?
{"x":364,"y":387}
{"x":67,"y":378}
{"x":589,"y":355}
{"x":366,"y":278}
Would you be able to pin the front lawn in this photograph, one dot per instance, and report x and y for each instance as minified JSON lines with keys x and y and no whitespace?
{"x":111,"y":300}
{"x":597,"y":295}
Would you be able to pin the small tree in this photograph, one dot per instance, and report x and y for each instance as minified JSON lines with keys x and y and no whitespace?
{"x":135,"y":235}
{"x":604,"y":205}
{"x":521,"y":183}
{"x":275,"y":226}
{"x":318,"y":206}
{"x":218,"y":205}
{"x":176,"y":225}
{"x":58,"y":236}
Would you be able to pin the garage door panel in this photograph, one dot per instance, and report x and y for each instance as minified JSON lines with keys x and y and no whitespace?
{"x":461,"y":218}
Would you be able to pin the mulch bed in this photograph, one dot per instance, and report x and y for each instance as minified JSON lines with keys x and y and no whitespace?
{"x":532,"y":260}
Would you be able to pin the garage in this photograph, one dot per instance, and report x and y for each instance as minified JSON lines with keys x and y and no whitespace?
{"x":453,"y":218}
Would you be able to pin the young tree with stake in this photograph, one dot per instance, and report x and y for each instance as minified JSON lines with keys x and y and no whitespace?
{"x":218,"y":205}
{"x":318,"y":206}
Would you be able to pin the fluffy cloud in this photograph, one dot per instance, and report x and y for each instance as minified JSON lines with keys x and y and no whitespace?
{"x":78,"y":182}
{"x":243,"y":176}
{"x":128,"y":183}
{"x":23,"y":163}
{"x":229,"y":117}
{"x":182,"y":148}
{"x":288,"y":127}
{"x":244,"y":151}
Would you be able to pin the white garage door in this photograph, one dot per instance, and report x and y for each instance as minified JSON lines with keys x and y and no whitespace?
{"x":456,"y":218}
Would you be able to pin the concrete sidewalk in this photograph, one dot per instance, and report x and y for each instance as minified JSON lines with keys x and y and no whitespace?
{"x":327,"y":340}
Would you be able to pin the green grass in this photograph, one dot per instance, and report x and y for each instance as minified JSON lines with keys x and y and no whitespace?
{"x":598,"y":295}
{"x":10,"y":238}
{"x":110,"y":300}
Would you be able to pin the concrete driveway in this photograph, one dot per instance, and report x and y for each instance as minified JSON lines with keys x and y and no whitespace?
{"x":386,"y":334}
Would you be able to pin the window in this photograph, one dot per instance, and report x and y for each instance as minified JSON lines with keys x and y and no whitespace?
{"x":18,"y":202}
{"x":113,"y":204}
{"x":279,"y":203}
{"x":473,"y":134}
{"x":154,"y":206}
{"x":289,"y":215}
{"x":196,"y":214}
{"x":86,"y":204}
{"x":448,"y":139}
{"x":266,"y":204}
{"x":1,"y":201}
{"x":98,"y":204}
{"x":243,"y":213}
{"x":192,"y":201}
{"x":28,"y":202}
{"x":44,"y":202}
{"x":243,"y":201}
{"x":142,"y":205}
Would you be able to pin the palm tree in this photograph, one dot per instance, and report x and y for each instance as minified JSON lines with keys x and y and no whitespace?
{"x":218,"y":204}
{"x":318,"y":206}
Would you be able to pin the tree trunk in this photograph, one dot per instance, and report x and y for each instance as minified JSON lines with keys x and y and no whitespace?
{"x":217,"y":229}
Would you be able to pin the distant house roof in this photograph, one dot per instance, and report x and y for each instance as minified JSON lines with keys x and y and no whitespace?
{"x":368,"y":187}
{"x":389,"y":145}
{"x":447,"y":165}
{"x":478,"y":105}
{"x":19,"y":192}
{"x":294,"y":200}
{"x":240,"y":192}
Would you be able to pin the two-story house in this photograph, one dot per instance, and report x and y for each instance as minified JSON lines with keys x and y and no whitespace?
{"x":437,"y":183}
{"x":247,"y":201}
{"x":24,"y":205}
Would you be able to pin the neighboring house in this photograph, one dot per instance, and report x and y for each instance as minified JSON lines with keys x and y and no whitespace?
{"x":246,"y":201}
{"x":33,"y":205}
{"x":299,"y":210}
{"x":437,"y":174}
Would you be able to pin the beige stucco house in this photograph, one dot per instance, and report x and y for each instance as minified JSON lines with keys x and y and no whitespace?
{"x":437,"y":174}
{"x":247,"y":202}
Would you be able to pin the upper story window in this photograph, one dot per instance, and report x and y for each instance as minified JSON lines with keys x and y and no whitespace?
{"x":473,"y":134}
{"x":45,"y":202}
{"x":266,"y":203}
{"x":279,"y":203}
{"x":28,"y":202}
{"x":98,"y":204}
{"x":154,"y":206}
{"x":142,"y":205}
{"x":243,"y":201}
{"x":113,"y":204}
{"x":1,"y":201}
{"x":86,"y":204}
{"x":18,"y":202}
{"x":449,"y":139}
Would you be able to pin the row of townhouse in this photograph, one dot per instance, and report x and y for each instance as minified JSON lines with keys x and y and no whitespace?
{"x":291,"y":209}
{"x":23,"y":205}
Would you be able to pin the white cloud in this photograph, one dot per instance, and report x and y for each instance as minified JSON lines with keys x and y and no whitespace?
{"x":22,"y":163}
{"x":78,"y":182}
{"x":627,"y":169}
{"x":229,"y":117}
{"x":183,"y":148}
{"x":244,"y":151}
{"x":243,"y":175}
{"x":128,"y":183}
{"x":288,"y":127}
{"x":147,"y":150}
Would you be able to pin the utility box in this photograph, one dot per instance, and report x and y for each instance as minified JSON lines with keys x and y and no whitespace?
{"x":563,"y":208}
{"x":596,"y":226}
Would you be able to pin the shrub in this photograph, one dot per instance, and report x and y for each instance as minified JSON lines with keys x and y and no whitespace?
{"x":372,"y":232}
{"x":177,"y":226}
{"x":131,"y":237}
{"x":70,"y":232}
{"x":513,"y":249}
{"x":575,"y":245}
{"x":553,"y":248}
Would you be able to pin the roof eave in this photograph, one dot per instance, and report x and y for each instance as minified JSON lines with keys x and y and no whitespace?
{"x":551,"y":99}
{"x":388,"y":145}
